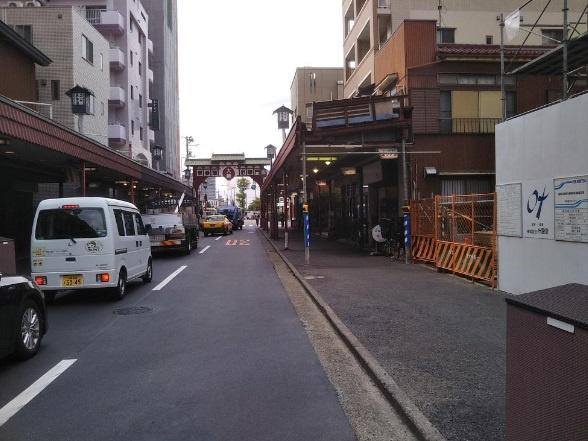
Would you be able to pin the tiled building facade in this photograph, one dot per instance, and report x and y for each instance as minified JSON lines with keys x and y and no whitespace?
{"x":80,"y":57}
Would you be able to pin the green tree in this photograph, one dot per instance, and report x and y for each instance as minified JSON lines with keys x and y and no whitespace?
{"x":242,"y":185}
{"x":255,"y":205}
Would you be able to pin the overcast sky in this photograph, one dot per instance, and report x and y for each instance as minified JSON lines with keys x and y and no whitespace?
{"x":237,"y":60}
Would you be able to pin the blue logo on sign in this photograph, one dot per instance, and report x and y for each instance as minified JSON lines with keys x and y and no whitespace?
{"x":538,"y":202}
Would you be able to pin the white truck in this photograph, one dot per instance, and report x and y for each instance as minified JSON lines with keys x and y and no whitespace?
{"x":172,"y":231}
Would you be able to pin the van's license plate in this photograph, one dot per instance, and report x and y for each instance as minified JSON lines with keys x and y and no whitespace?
{"x":76,"y":280}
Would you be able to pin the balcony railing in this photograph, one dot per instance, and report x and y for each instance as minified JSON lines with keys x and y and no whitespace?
{"x":468,"y":125}
{"x":93,"y":15}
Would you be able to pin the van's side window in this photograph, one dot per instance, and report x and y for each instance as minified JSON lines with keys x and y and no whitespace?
{"x":120,"y":223}
{"x":129,"y":224}
{"x":140,"y":226}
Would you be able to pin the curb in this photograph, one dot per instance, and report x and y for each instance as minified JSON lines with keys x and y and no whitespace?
{"x":417,"y":421}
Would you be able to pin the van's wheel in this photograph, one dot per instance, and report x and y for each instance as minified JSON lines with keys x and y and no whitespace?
{"x":188,"y":248}
{"x":121,"y":287}
{"x":231,"y":232}
{"x":148,"y":276}
{"x":50,"y":296}
{"x":29,"y":330}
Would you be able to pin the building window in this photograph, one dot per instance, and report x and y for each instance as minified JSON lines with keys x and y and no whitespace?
{"x":489,"y":39}
{"x":55,"y":90}
{"x":511,"y":104}
{"x":140,"y":100}
{"x":445,"y":111}
{"x":140,"y":68}
{"x":551,"y":37}
{"x":87,"y":50}
{"x":101,"y":62}
{"x":25,"y":31}
{"x":140,"y":37}
{"x":130,"y":24}
{"x":90,"y":105}
{"x":132,"y":127}
{"x":141,"y":133}
{"x":102,"y":108}
{"x":445,"y":35}
{"x":131,"y":57}
{"x":132,"y":92}
{"x":170,"y":17}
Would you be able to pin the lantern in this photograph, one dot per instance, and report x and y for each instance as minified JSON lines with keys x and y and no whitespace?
{"x":157,"y":152}
{"x":283,"y":117}
{"x":82,"y":100}
{"x":271,"y":151}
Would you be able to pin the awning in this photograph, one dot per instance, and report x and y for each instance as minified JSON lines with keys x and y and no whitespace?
{"x":551,"y":63}
{"x":26,"y":127}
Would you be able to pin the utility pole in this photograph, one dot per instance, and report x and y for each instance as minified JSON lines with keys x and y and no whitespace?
{"x":565,"y":50}
{"x":502,"y":83}
{"x":404,"y":172}
{"x":305,"y":210}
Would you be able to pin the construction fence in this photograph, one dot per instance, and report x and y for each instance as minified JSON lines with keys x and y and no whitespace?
{"x":457,"y":233}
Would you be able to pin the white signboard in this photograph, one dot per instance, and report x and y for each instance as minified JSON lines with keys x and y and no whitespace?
{"x":538,"y":210}
{"x":571,"y":209}
{"x":509,"y":210}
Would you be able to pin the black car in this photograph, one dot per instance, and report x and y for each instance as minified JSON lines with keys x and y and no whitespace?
{"x":23,"y":317}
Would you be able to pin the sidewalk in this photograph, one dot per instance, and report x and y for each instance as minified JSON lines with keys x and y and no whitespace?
{"x":440,"y":337}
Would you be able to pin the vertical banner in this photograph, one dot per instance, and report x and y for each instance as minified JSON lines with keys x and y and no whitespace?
{"x":307,"y":230}
{"x":407,"y":243}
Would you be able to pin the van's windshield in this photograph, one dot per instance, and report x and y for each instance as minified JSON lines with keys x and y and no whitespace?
{"x":78,"y":223}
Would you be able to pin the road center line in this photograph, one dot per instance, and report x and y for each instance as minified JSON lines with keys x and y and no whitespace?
{"x":169,"y":278}
{"x":33,"y":390}
{"x":204,"y":249}
{"x":219,"y":238}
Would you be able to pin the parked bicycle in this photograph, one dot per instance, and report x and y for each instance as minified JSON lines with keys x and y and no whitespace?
{"x":389,"y":238}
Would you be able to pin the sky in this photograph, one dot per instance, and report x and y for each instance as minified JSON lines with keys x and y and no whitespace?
{"x":236,"y":63}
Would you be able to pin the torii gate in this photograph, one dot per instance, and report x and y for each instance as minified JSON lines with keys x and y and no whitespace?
{"x":228,"y":166}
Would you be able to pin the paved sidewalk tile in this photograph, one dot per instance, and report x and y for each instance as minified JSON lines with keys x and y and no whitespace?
{"x":440,"y":337}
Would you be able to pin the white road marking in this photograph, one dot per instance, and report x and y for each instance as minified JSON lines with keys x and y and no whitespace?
{"x":204,"y":249}
{"x":170,"y":277}
{"x":219,"y":238}
{"x":33,"y":390}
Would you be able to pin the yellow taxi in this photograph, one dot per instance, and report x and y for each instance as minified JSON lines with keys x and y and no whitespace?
{"x":216,"y":223}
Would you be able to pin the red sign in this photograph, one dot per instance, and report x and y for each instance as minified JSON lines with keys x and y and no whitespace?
{"x":229,"y":173}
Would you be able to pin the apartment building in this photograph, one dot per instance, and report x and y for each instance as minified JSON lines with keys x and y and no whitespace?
{"x":80,"y":57}
{"x":314,"y":84}
{"x":125,"y":24}
{"x":369,"y":24}
{"x":163,"y":31}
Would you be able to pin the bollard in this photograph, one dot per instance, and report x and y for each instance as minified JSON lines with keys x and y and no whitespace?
{"x":407,"y":244}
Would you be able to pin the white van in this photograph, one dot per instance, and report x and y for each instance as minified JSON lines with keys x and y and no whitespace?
{"x":88,"y":243}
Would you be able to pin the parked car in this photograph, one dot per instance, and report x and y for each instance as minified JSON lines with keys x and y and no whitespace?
{"x":23,"y":317}
{"x":217,"y":223}
{"x":172,"y":231}
{"x":89,"y":243}
{"x":234,"y":214}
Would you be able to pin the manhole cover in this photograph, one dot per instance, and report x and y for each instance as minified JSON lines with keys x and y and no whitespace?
{"x":132,"y":310}
{"x":313,"y":277}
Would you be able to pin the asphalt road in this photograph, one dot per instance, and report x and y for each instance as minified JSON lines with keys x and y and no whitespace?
{"x":220,"y":354}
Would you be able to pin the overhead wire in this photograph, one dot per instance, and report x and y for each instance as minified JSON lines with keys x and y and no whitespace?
{"x":528,"y":34}
{"x":579,"y":19}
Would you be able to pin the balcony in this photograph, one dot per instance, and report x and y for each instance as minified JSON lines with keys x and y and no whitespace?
{"x":150,"y":46}
{"x":117,"y":59}
{"x":384,"y":6}
{"x":118,"y":97}
{"x":360,"y":111}
{"x":151,"y":137}
{"x":468,"y":125}
{"x":117,"y":134}
{"x":107,"y":22}
{"x":150,"y":75}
